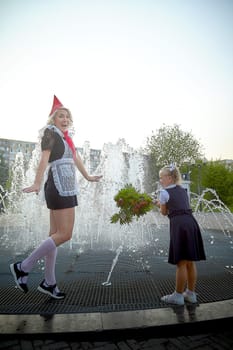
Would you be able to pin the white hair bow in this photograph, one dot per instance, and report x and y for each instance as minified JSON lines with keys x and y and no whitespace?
{"x":172,"y":166}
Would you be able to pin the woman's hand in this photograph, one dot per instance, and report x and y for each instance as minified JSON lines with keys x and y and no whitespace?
{"x":33,"y":188}
{"x":39,"y":173}
{"x":94,"y":178}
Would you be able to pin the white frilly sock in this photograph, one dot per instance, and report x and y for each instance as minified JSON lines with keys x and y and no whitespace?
{"x":44,"y":249}
{"x":50,"y":262}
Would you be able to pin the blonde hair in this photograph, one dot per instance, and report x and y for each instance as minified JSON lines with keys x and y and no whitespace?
{"x":173,"y":171}
{"x":52,"y":117}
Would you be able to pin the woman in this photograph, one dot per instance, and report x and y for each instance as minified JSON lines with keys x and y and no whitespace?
{"x":58,"y":151}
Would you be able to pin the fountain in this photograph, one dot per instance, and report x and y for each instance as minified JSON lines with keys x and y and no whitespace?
{"x":107,"y":282}
{"x":102,"y":254}
{"x":119,"y":165}
{"x":25,"y":222}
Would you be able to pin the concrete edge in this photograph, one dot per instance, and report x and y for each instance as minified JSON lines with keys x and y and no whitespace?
{"x":186,"y":317}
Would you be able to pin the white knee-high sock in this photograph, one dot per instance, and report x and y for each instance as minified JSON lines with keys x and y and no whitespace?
{"x":45,"y":248}
{"x":50,"y":261}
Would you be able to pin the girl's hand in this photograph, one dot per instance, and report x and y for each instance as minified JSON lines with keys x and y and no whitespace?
{"x":33,"y":188}
{"x":156,"y":202}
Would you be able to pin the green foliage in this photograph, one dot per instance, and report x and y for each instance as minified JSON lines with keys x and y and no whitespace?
{"x":214,"y":175}
{"x":132,"y":204}
{"x":219,"y":178}
{"x":171,"y":144}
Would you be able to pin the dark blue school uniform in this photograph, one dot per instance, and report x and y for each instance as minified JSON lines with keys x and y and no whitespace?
{"x":185,"y":236}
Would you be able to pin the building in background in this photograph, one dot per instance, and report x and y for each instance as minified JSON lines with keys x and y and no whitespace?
{"x":9,"y":149}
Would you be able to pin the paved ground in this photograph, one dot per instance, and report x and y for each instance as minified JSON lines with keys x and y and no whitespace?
{"x":218,"y":340}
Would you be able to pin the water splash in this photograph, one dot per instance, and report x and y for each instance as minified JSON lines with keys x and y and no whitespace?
{"x":213,"y":213}
{"x":3,"y":197}
{"x":107,"y":282}
{"x":119,"y":165}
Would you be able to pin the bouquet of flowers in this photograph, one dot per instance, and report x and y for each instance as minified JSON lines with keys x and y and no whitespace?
{"x":132,"y":204}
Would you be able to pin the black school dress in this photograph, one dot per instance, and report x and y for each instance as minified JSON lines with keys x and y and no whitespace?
{"x":185,"y":236}
{"x":51,"y":140}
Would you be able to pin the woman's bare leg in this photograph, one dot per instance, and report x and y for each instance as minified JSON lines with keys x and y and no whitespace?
{"x":62,"y":224}
{"x":50,"y":258}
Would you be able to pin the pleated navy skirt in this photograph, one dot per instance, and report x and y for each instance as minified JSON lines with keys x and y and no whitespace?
{"x":185,"y":239}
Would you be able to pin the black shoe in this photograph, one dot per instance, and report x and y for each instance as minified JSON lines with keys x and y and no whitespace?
{"x":51,"y":291}
{"x":17,"y":274}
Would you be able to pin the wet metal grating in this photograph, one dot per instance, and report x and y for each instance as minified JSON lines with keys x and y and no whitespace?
{"x":134,"y":285}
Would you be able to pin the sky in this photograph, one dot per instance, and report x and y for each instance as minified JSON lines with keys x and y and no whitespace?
{"x":123,"y":67}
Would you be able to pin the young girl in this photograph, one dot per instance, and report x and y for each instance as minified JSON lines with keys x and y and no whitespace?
{"x":61,"y":188}
{"x":186,"y":245}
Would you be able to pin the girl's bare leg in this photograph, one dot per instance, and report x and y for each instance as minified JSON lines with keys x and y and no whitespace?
{"x":181,"y":276}
{"x":191,"y":275}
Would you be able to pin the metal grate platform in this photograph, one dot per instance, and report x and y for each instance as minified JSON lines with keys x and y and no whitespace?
{"x":136,"y":283}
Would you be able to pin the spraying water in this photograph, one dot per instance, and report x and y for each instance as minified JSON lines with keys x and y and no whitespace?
{"x":107,"y":282}
{"x":25,"y":222}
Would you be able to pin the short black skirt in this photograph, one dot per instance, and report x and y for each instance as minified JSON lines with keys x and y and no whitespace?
{"x":54,"y":200}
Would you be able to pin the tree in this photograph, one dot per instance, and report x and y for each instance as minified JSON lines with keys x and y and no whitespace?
{"x":172,"y":145}
{"x":218,"y":177}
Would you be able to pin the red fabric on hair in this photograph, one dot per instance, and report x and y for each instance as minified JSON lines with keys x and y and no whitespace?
{"x":56,"y":104}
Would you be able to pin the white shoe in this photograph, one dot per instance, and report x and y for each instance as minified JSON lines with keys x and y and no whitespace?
{"x":190,"y":297}
{"x":174,"y":298}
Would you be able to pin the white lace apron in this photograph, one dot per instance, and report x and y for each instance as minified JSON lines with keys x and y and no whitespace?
{"x":64,"y":171}
{"x":64,"y":176}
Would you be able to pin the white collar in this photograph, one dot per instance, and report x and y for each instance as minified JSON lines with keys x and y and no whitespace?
{"x":170,"y":186}
{"x":53,"y":127}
